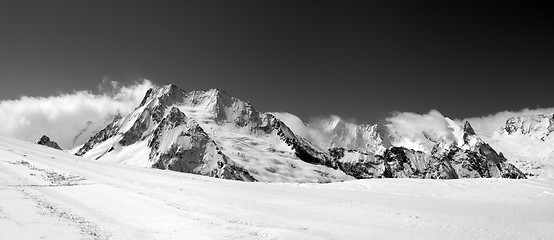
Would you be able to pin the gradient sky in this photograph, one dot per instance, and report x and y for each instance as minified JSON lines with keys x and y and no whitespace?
{"x":310,"y":58}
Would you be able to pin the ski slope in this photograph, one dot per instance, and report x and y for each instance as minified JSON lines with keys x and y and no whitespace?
{"x":49,"y":194}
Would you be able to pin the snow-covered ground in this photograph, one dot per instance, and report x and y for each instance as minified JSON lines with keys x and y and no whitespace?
{"x":49,"y":194}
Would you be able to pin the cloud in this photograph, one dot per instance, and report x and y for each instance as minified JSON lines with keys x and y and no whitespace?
{"x":410,"y":130}
{"x":486,"y":126}
{"x":63,"y":116}
{"x":414,"y":130}
{"x":109,"y":86}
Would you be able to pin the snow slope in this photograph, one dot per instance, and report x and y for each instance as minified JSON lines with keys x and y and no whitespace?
{"x":49,"y":194}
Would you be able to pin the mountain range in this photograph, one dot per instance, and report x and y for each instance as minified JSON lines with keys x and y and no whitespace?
{"x":212,"y":133}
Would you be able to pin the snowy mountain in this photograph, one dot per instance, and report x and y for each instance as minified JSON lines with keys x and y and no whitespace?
{"x":214,"y":134}
{"x":161,"y":136}
{"x":529,"y":142}
{"x":469,"y":158}
{"x":368,"y":151}
{"x":209,"y":133}
{"x":535,"y":126}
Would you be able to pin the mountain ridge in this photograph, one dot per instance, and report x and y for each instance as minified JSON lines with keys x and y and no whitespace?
{"x":209,"y":131}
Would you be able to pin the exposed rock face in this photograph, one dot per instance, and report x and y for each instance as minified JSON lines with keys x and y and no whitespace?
{"x":45,"y":140}
{"x":303,"y":149}
{"x":399,"y":162}
{"x":496,"y":163}
{"x":404,"y":163}
{"x":163,"y":96}
{"x":358,"y":164}
{"x":180,"y":144}
{"x":467,"y":164}
{"x":475,"y":159}
{"x":151,"y":111}
{"x":366,"y":151}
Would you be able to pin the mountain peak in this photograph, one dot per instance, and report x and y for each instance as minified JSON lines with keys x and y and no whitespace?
{"x":220,"y":95}
{"x":468,"y":128}
{"x":164,"y":94}
{"x":223,"y":107}
{"x":219,"y":91}
{"x":169,"y":89}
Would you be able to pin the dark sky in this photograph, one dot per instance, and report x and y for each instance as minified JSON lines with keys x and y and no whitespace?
{"x":310,"y":58}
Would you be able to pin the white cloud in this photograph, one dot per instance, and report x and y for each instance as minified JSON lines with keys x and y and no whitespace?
{"x":408,"y":129}
{"x":63,"y":116}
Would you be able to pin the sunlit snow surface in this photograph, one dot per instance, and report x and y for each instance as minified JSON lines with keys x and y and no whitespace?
{"x":49,"y":194}
{"x":265,"y":156}
{"x":527,"y":153}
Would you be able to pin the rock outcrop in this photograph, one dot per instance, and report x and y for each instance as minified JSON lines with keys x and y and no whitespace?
{"x":45,"y":140}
